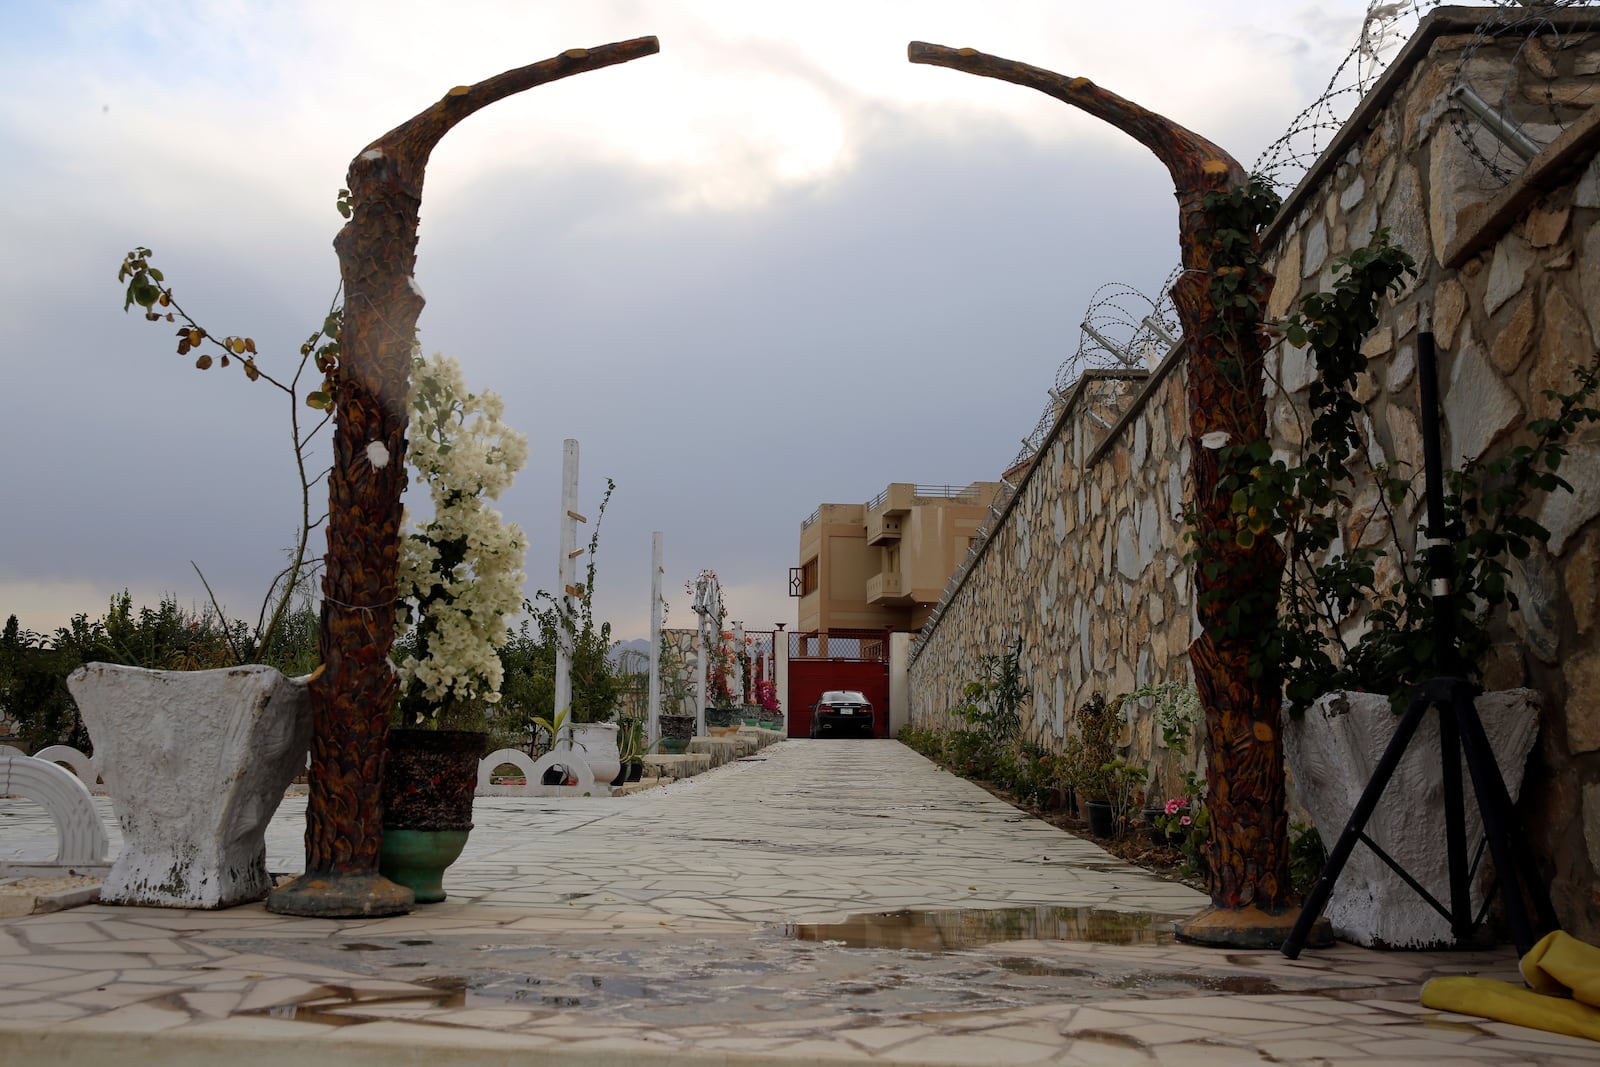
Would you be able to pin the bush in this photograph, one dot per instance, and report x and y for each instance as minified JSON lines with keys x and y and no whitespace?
{"x":34,"y":668}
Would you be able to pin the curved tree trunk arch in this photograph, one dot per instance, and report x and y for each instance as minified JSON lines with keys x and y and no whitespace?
{"x":352,"y":698}
{"x":1248,"y":879}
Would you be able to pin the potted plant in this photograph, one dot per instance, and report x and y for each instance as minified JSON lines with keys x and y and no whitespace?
{"x":1176,"y":712}
{"x":547,"y":733}
{"x":1122,"y":782}
{"x":723,"y":718}
{"x":769,"y":713}
{"x":460,"y":581}
{"x":1355,"y":634}
{"x":198,"y":737}
{"x":1185,"y":823}
{"x":1068,"y":773}
{"x":631,"y":746}
{"x":601,"y":746}
{"x":676,"y":731}
{"x":1098,"y":721}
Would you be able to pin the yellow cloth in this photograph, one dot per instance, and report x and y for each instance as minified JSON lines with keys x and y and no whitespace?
{"x":1564,"y":974}
{"x":1563,"y":966}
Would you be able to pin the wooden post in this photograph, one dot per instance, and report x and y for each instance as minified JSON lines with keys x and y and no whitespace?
{"x":352,"y":699}
{"x":1248,"y":879}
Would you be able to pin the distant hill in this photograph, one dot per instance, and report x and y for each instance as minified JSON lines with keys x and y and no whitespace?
{"x":640,"y":645}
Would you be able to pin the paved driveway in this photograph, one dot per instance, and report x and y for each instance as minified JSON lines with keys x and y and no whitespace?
{"x":823,"y":900}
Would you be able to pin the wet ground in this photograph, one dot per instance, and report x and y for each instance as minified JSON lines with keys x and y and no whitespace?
{"x":827,"y":901}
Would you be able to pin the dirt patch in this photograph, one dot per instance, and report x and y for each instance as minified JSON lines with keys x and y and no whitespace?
{"x":1135,"y":847}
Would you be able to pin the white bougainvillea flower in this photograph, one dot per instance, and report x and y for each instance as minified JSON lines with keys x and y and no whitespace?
{"x":466,"y":456}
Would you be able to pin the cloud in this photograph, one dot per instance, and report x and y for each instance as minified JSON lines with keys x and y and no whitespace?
{"x":775,"y":265}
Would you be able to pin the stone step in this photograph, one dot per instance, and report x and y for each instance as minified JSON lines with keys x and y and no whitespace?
{"x":686,"y":765}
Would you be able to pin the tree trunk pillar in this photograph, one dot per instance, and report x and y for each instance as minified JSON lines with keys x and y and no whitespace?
{"x":355,"y":694}
{"x":1248,"y":880}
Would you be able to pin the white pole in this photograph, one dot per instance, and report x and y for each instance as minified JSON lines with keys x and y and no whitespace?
{"x":705,"y":676}
{"x":567,"y":577}
{"x":780,"y":670}
{"x":653,"y":723}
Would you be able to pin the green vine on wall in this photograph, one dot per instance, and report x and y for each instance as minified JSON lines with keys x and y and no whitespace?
{"x":1332,"y":583}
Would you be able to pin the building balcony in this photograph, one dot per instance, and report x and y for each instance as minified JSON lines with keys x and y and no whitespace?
{"x":882,"y":528}
{"x":895,"y":500}
{"x":887,"y":589}
{"x":886,"y":511}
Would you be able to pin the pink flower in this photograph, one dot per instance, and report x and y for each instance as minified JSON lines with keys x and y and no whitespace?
{"x":1185,"y":821}
{"x":1173,"y":805}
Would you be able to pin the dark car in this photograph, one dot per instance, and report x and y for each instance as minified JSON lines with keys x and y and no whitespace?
{"x":842,"y":713}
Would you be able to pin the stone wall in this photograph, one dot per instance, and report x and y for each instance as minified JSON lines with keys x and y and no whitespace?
{"x":680,"y":669}
{"x":1085,"y":562}
{"x":1511,"y":273}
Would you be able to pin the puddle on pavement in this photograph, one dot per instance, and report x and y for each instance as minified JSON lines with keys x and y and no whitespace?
{"x":890,"y":964}
{"x":330,"y":1005}
{"x":933,"y":930}
{"x":1241,"y":984}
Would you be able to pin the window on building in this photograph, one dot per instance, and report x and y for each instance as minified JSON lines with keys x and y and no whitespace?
{"x":803,"y":579}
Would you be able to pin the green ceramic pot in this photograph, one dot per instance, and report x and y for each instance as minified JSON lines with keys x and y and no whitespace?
{"x":417,"y":859}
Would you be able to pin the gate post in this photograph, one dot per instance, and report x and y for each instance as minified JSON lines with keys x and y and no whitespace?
{"x":780,"y":671}
{"x":899,"y":681}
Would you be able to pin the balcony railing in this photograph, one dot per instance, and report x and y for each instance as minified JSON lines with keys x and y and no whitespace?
{"x":933,"y":492}
{"x":882,"y":587}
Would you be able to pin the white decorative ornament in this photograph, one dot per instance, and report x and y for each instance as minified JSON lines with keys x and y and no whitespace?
{"x":372,"y":153}
{"x":377,"y":455}
{"x":196,"y":763}
{"x":1215,"y":439}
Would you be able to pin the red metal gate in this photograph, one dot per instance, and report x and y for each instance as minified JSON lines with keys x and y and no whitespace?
{"x":848,"y":659}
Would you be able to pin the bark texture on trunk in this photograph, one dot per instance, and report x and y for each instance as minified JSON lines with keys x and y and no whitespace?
{"x":1248,"y":847}
{"x":351,"y":702}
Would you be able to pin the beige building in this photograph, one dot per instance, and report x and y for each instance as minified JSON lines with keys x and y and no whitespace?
{"x":882,"y":565}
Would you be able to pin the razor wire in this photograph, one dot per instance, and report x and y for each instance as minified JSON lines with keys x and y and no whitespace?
{"x":1385,"y":27}
{"x":1122,"y":328}
{"x":1507,"y":107}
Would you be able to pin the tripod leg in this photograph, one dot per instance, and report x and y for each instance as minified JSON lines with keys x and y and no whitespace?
{"x":1515,"y":871}
{"x":1455,"y":828}
{"x":1317,"y":899}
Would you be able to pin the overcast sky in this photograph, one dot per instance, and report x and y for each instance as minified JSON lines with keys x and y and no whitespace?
{"x":772,"y":266}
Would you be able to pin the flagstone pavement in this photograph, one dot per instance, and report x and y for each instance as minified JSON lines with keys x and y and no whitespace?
{"x":821,"y":902}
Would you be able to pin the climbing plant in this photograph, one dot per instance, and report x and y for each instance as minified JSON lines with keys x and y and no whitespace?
{"x":1306,"y":504}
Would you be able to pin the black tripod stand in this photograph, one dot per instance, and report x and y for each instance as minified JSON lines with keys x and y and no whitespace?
{"x":1527,"y":907}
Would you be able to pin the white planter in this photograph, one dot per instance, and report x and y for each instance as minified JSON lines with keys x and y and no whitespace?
{"x":196,"y":762}
{"x":1332,"y":751}
{"x":596,"y":745}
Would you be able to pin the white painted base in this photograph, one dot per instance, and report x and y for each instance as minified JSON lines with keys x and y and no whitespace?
{"x":80,"y":839}
{"x":575,"y":765}
{"x":196,"y":762}
{"x":1332,"y":751}
{"x":596,"y":742}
